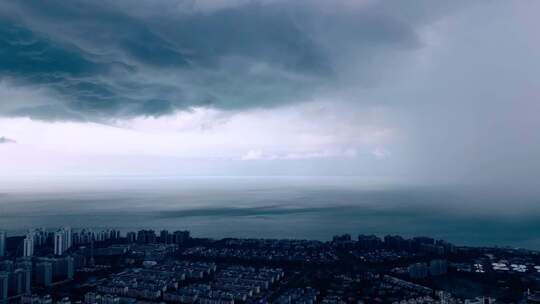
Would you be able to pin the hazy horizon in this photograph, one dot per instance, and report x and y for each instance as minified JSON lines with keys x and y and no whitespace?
{"x":277,"y":207}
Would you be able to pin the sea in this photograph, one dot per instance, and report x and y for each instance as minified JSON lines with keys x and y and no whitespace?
{"x":275,"y":207}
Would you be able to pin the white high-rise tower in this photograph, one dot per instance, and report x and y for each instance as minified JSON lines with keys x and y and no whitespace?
{"x":67,"y":238}
{"x":59,"y":245}
{"x":2,"y":243}
{"x":28,"y":245}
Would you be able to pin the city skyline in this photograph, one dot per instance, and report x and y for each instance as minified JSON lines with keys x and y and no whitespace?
{"x":176,"y":267}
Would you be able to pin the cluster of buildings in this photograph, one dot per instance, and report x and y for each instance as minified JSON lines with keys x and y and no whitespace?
{"x":503,"y":264}
{"x":233,"y":283}
{"x":445,"y":300}
{"x":306,"y":295}
{"x":381,"y":256}
{"x":179,"y":237}
{"x":42,"y":259}
{"x":145,"y":266}
{"x":275,"y":243}
{"x":246,"y":282}
{"x":35,"y":238}
{"x":392,"y":248}
{"x":267,"y":250}
{"x":182,"y":282}
{"x":60,"y":240}
{"x":15,"y":279}
{"x":277,"y":255}
{"x":153,"y":252}
{"x":96,"y":298}
{"x":87,"y":236}
{"x":137,"y":284}
{"x":396,"y":243}
{"x":199,"y":293}
{"x":422,"y":270}
{"x":400,"y":284}
{"x":18,"y":278}
{"x":153,"y":282}
{"x":395,"y":290}
{"x":36,"y":299}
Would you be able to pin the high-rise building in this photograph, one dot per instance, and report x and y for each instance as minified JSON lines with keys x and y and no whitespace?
{"x":423,"y":243}
{"x":16,"y":282}
{"x":63,"y":268}
{"x":4,"y":279}
{"x":369,"y":242}
{"x":418,"y":270}
{"x":2,"y":243}
{"x":76,"y":239}
{"x":6,"y":266}
{"x":342,"y":238}
{"x":59,"y":244}
{"x":63,"y":240}
{"x":44,"y":272}
{"x":26,"y":267}
{"x":68,"y":241}
{"x":40,"y":237}
{"x":394,"y":242}
{"x":146,"y":236}
{"x":438,"y":267}
{"x":180,"y":237}
{"x":28,"y":245}
{"x":70,"y":267}
{"x":131,"y":237}
{"x":27,"y":280}
{"x":164,"y":236}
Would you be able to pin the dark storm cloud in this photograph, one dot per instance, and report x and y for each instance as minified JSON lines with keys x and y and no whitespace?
{"x":120,"y":60}
{"x":5,"y":140}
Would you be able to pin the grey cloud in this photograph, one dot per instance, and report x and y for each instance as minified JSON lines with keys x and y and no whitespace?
{"x":118,"y":60}
{"x":5,"y":140}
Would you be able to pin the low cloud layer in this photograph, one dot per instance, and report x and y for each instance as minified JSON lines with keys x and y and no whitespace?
{"x":100,"y":60}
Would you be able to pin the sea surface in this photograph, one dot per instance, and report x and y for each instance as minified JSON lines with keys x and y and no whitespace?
{"x":275,"y":207}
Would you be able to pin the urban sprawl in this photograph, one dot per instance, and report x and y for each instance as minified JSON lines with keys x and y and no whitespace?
{"x":105,"y":267}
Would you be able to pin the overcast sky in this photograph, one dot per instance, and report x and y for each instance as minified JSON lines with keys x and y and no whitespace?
{"x":415,"y":91}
